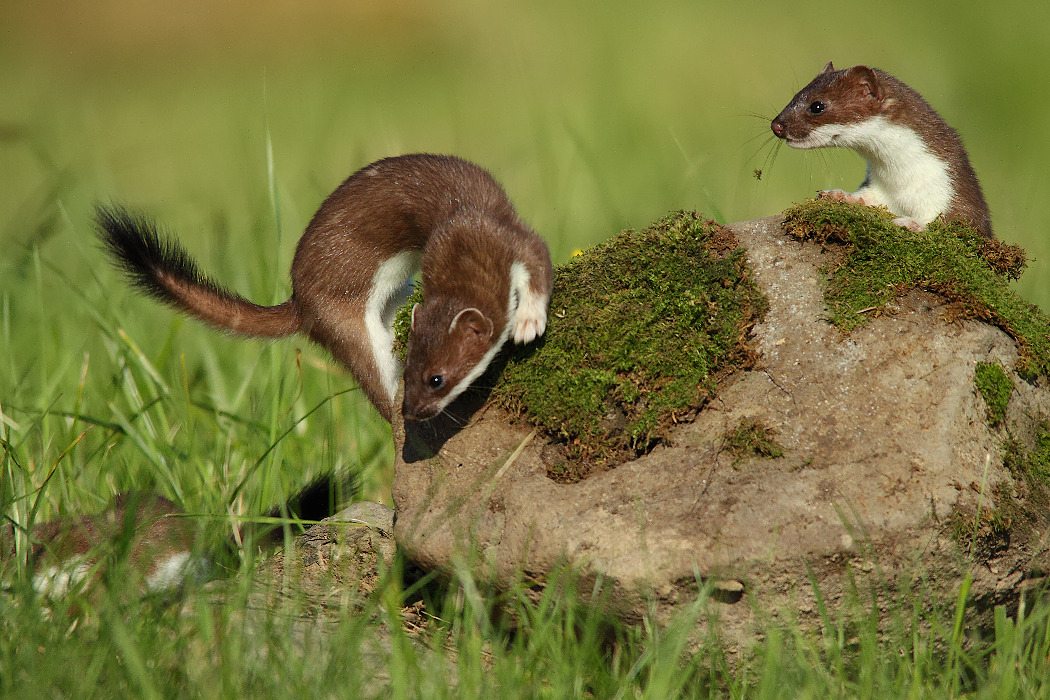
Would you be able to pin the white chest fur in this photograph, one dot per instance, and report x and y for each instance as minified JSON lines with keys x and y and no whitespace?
{"x":904,"y":175}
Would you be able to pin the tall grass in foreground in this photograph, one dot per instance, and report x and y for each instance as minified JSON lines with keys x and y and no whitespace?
{"x":225,"y":433}
{"x":228,"y":434}
{"x":479,"y":644}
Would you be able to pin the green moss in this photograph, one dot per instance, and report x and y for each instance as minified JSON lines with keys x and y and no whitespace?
{"x":752,"y":438}
{"x":637,"y":329}
{"x":403,"y":323}
{"x":996,"y":387}
{"x":1030,"y":463}
{"x":877,"y":262}
{"x":1020,"y":508}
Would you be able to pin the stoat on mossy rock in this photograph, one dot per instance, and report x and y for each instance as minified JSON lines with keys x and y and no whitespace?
{"x":822,"y":461}
{"x":917,"y":165}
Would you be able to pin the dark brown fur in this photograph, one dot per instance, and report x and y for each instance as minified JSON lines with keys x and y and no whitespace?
{"x":470,"y":269}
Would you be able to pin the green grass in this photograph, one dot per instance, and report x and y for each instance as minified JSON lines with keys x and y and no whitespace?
{"x":556,"y":643}
{"x":596,"y":118}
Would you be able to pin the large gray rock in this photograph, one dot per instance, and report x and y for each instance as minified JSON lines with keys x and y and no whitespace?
{"x":886,"y":446}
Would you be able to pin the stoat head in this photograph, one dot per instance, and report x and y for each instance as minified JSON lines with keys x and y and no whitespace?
{"x":448,"y":348}
{"x":822,"y":113}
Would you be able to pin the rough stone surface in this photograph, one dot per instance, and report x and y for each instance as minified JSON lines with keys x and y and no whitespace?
{"x":336,"y":563}
{"x":884,"y":438}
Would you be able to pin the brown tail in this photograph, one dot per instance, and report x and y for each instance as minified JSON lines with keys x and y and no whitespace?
{"x":159,"y":267}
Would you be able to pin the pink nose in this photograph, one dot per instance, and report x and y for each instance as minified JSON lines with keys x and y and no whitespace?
{"x":778,"y":129}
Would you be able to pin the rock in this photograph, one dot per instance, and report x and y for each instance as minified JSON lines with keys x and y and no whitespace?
{"x":336,"y":562}
{"x":886,"y":463}
{"x":141,"y":532}
{"x":307,"y":589}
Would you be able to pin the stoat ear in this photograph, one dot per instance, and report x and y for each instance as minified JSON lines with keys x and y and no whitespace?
{"x":867,"y":82}
{"x":473,"y":320}
{"x":412,"y":324}
{"x":828,"y":68}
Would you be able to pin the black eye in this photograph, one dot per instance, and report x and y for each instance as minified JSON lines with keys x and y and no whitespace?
{"x":436,"y":381}
{"x":817,"y":107}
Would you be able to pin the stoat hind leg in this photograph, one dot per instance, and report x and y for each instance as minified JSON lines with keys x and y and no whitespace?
{"x":349,"y":338}
{"x":360,"y":335}
{"x":530,"y":317}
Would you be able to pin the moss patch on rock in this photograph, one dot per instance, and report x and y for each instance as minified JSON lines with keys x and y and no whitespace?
{"x":1023,"y":509}
{"x":985,"y":533}
{"x":1030,"y":463}
{"x":995,"y":387}
{"x":877,"y":262}
{"x":403,"y":323}
{"x":1020,"y":509}
{"x":638,"y":330}
{"x":751,"y":438}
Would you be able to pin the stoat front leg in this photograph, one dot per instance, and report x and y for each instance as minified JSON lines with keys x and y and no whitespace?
{"x":529,"y":319}
{"x":870,"y":201}
{"x":909,"y":223}
{"x":842,"y":196}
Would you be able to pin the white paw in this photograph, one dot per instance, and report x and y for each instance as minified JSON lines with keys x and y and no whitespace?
{"x":909,"y":223}
{"x":530,"y":320}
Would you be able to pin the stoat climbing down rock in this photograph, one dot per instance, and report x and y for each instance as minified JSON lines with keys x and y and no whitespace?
{"x":486,"y":277}
{"x":917,"y":166}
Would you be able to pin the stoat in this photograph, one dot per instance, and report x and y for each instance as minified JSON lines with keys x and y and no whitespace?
{"x":156,"y":539}
{"x":65,"y":552}
{"x":486,"y":277}
{"x":917,"y":166}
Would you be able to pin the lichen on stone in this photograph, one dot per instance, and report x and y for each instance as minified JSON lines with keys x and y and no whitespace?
{"x":876,"y":262}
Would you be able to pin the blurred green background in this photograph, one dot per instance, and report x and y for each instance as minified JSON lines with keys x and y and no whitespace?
{"x":230,"y":122}
{"x":595,"y":115}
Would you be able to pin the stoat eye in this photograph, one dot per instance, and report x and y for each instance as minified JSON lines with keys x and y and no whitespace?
{"x":436,"y":381}
{"x":817,"y":107}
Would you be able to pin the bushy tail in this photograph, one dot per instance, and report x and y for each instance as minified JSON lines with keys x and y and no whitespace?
{"x":159,"y":267}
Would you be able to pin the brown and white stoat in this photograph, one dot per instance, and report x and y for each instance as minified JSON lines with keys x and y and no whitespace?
{"x":65,"y":553}
{"x":156,"y":539}
{"x":917,"y":166}
{"x":486,"y":277}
